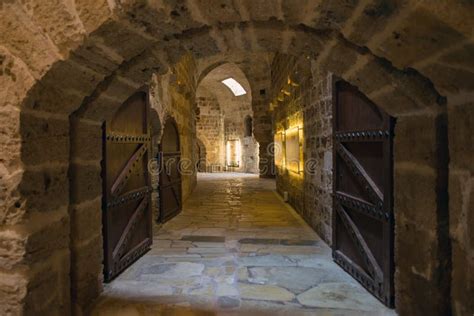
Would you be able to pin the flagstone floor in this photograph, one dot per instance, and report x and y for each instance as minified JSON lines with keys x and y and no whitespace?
{"x":236,"y":249}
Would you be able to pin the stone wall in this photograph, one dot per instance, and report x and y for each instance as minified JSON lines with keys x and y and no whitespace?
{"x":210,"y":130}
{"x":318,"y":148}
{"x":250,"y":155}
{"x":309,"y":106}
{"x":173,"y":96}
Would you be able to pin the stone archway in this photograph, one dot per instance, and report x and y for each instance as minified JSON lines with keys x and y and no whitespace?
{"x":82,"y":69}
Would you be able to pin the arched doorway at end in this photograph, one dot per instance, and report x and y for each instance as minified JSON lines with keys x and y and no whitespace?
{"x":170,"y":191}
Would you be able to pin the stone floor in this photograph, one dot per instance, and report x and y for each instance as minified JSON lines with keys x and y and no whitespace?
{"x":236,"y":249}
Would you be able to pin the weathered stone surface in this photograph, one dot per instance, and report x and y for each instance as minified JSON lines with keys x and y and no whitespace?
{"x":415,"y":190}
{"x":12,"y":249}
{"x":322,"y":296}
{"x":295,"y":279}
{"x":87,"y":269}
{"x":409,"y":42}
{"x":228,"y":302}
{"x":86,"y":141}
{"x":45,"y":189}
{"x":461,"y":137}
{"x":87,"y":184}
{"x":13,"y":289}
{"x":175,"y":271}
{"x":93,"y":13}
{"x":265,"y":292}
{"x":59,"y":20}
{"x":420,"y":149}
{"x":86,"y":220}
{"x":40,"y":133}
{"x":51,"y":237}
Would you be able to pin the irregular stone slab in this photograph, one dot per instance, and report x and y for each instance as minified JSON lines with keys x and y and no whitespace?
{"x":259,"y":241}
{"x":265,"y":292}
{"x":209,"y":250}
{"x":295,"y":242}
{"x":227,"y":302}
{"x":177,"y":270}
{"x":204,"y":238}
{"x":266,"y":261}
{"x":140,"y":289}
{"x":295,"y":279}
{"x":209,"y":244}
{"x":210,"y":232}
{"x":227,"y":290}
{"x":339,"y":295}
{"x":206,"y":290}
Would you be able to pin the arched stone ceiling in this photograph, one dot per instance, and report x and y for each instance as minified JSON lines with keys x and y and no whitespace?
{"x":230,"y":104}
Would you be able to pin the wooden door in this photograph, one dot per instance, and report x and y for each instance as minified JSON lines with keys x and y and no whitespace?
{"x":170,"y":175}
{"x":127,"y":212}
{"x":363,"y":191}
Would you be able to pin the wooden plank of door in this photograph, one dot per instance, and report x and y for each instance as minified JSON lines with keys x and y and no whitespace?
{"x":129,"y":228}
{"x":362,"y":246}
{"x":123,"y":177}
{"x":360,"y":174}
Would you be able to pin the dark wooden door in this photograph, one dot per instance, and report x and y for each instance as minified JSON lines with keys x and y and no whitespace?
{"x":170,"y":175}
{"x":127,"y":212}
{"x":363,"y":191}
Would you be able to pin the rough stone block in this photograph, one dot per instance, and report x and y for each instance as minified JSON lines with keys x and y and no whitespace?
{"x":86,"y":140}
{"x":48,"y":289}
{"x":262,"y":10}
{"x":23,"y":39}
{"x":461,"y":136}
{"x":449,"y":80}
{"x":121,"y":39}
{"x":87,"y":184}
{"x":86,"y":220}
{"x":101,"y":108}
{"x":415,"y":140}
{"x":96,"y":57}
{"x":47,"y":240}
{"x":214,"y":11}
{"x":410,"y":42}
{"x":39,"y":133}
{"x":15,"y":79}
{"x":59,"y":20}
{"x":339,"y":59}
{"x":11,"y":210}
{"x":373,"y":19}
{"x":44,"y":190}
{"x":13,"y":289}
{"x":92,"y":13}
{"x":87,"y":271}
{"x":333,"y":14}
{"x":72,"y":77}
{"x":12,"y":249}
{"x":201,"y":44}
{"x":415,"y":197}
{"x":462,"y":290}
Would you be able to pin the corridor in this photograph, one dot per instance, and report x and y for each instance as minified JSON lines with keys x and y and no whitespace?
{"x":236,"y":248}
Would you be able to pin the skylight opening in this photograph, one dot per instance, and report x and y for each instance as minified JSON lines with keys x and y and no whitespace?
{"x":234,"y":86}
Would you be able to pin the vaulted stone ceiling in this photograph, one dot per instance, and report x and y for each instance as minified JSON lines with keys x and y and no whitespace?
{"x":230,"y":104}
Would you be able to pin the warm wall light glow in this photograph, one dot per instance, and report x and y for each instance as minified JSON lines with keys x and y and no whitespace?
{"x":234,"y":86}
{"x":278,"y":149}
{"x":233,"y":153}
{"x":293,"y":149}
